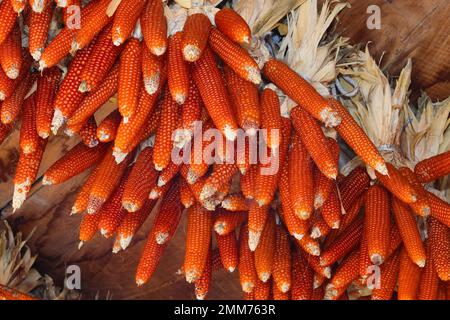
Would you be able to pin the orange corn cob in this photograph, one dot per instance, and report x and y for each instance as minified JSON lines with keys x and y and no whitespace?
{"x":107,"y":129}
{"x":247,"y":296}
{"x":377,"y":223}
{"x":7,"y":86}
{"x":234,"y":56}
{"x":18,"y":5}
{"x":163,"y":140}
{"x":125,"y":19}
{"x":265,"y":251}
{"x":351,"y":213}
{"x":227,"y":221}
{"x":198,"y":238}
{"x":177,"y":70}
{"x":132,"y":222}
{"x":109,"y":174}
{"x":421,"y":207}
{"x":281,"y":270}
{"x":302,"y":278}
{"x":191,"y":112}
{"x":343,"y":244}
{"x":150,"y":258}
{"x":140,"y":182}
{"x":88,"y":133}
{"x":235,"y":202}
{"x":410,"y":233}
{"x":261,"y":290}
{"x":257,"y":217}
{"x":11,"y":294}
{"x":81,"y":201}
{"x":198,"y":166}
{"x":318,"y":293}
{"x":38,"y":31}
{"x":228,"y":248}
{"x":352,"y":186}
{"x":397,"y":184}
{"x":29,"y":140}
{"x":247,"y":182}
{"x":343,"y":276}
{"x":130,"y":78}
{"x":38,"y":5}
{"x":301,"y":180}
{"x":277,"y":294}
{"x":439,"y":209}
{"x":68,"y":97}
{"x":195,"y":36}
{"x":245,"y":99}
{"x":26,"y":172}
{"x":11,"y":54}
{"x":331,"y":210}
{"x":74,"y":162}
{"x":212,"y":89}
{"x":100,"y":62}
{"x":429,"y":279}
{"x":439,"y":238}
{"x":186,"y":196}
{"x":309,"y":245}
{"x":271,"y":118}
{"x":203,"y":283}
{"x":408,"y":278}
{"x":168,"y":174}
{"x":94,"y":21}
{"x":151,"y":70}
{"x":395,"y":240}
{"x":315,"y":142}
{"x":88,"y":228}
{"x":246,"y":267}
{"x":388,"y":276}
{"x":8,"y":19}
{"x":221,"y":174}
{"x":231,"y":24}
{"x":47,"y":85}
{"x":11,"y":107}
{"x":319,"y":227}
{"x":357,"y":139}
{"x":149,"y":127}
{"x":433,"y":168}
{"x":364,"y":258}
{"x":301,"y":92}
{"x":168,"y":217}
{"x":314,"y":263}
{"x":154,"y":27}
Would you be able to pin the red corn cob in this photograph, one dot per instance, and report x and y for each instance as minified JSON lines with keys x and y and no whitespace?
{"x":125,"y":20}
{"x":397,"y":184}
{"x":314,"y":263}
{"x":68,"y":97}
{"x":364,"y":258}
{"x":319,"y":227}
{"x":29,"y":140}
{"x":130,"y":78}
{"x":11,"y":54}
{"x":331,"y":210}
{"x":149,"y":261}
{"x":235,"y":202}
{"x":186,"y":196}
{"x":257,"y":217}
{"x":11,"y":107}
{"x":47,"y":86}
{"x":271,"y":117}
{"x":8,"y":19}
{"x":246,"y":267}
{"x":389,"y":274}
{"x":247,"y":182}
{"x":429,"y":279}
{"x":439,"y":238}
{"x":221,"y":174}
{"x":94,"y":21}
{"x":408,"y":278}
{"x":410,"y":233}
{"x":88,"y":228}
{"x":226,"y":221}
{"x":281,"y":270}
{"x":168,"y":173}
{"x":38,"y":31}
{"x":439,"y":209}
{"x":106,"y":179}
{"x":195,"y":36}
{"x":212,"y":89}
{"x":343,"y":276}
{"x":343,"y":244}
{"x":191,"y":112}
{"x":107,"y":129}
{"x":231,"y":24}
{"x":38,"y":5}
{"x":151,"y":70}
{"x":140,"y":182}
{"x":7,"y":86}
{"x":245,"y":99}
{"x":352,"y":186}
{"x":132,"y":222}
{"x":377,"y":223}
{"x":234,"y":56}
{"x":18,"y":5}
{"x":228,"y":248}
{"x":81,"y":201}
{"x":318,"y":293}
{"x":203,"y":283}
{"x":421,"y":206}
{"x":74,"y":162}
{"x":168,"y":218}
{"x":163,"y":140}
{"x":277,"y":294}
{"x":301,"y":92}
{"x":433,"y":168}
{"x":301,"y":180}
{"x":12,"y":294}
{"x":265,"y":251}
{"x":261,"y":290}
{"x":356,"y":138}
{"x":102,"y":59}
{"x":198,"y":238}
{"x":309,"y":245}
{"x":177,"y":70}
{"x":315,"y":142}
{"x":154,"y":27}
{"x":88,"y":133}
{"x":302,"y":278}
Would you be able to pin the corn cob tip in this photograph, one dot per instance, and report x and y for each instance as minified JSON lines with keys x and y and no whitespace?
{"x":264,"y":276}
{"x":261,"y":202}
{"x":151,"y":84}
{"x":158,"y":51}
{"x":251,"y":131}
{"x":247,"y":286}
{"x":284,"y":287}
{"x":116,"y":248}
{"x":84,"y":87}
{"x":297,"y":236}
{"x":139,"y":282}
{"x":420,"y":263}
{"x":191,"y":53}
{"x":105,"y":233}
{"x":161,"y":237}
{"x":37,"y":54}
{"x":219,"y":228}
{"x":154,"y":194}
{"x":230,"y":133}
{"x":303,"y":214}
{"x":315,"y":232}
{"x":69,"y":132}
{"x":130,"y":207}
{"x":125,"y":242}
{"x":12,"y":73}
{"x":102,"y":135}
{"x":57,"y":121}
{"x":330,"y":117}
{"x":43,"y":135}
{"x":20,"y":193}
{"x":46,"y":181}
{"x":42,"y":65}
{"x":80,"y":245}
{"x":318,"y":201}
{"x":74,"y":211}
{"x":191,"y":275}
{"x":231,"y":269}
{"x":161,"y":182}
{"x":180,"y":98}
{"x":313,"y":249}
{"x":158,"y":167}
{"x":191,"y":177}
{"x":119,"y":155}
{"x":201,"y":296}
{"x":376,"y":259}
{"x":336,"y":225}
{"x":253,"y":239}
{"x":253,"y":75}
{"x":381,"y":168}
{"x":182,"y":136}
{"x":2,"y":96}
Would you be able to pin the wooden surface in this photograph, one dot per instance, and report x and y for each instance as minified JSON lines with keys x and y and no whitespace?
{"x":417,"y":29}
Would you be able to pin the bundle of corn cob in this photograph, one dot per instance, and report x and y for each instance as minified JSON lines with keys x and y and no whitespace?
{"x":301,"y":235}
